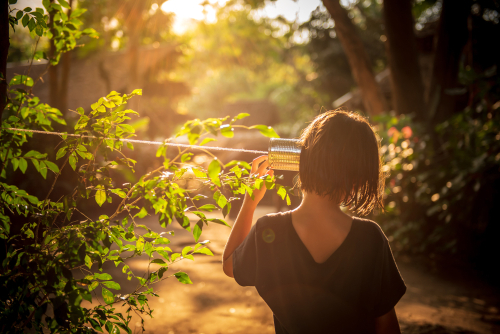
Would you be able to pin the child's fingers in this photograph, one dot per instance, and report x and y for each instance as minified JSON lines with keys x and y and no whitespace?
{"x":262,"y":168}
{"x":256,"y":162}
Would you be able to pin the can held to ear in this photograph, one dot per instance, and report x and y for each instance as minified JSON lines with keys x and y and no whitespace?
{"x":284,"y":154}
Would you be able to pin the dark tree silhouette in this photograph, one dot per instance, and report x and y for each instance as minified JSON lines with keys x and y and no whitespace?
{"x":406,"y":79}
{"x":359,"y":61}
{"x":4,"y":51}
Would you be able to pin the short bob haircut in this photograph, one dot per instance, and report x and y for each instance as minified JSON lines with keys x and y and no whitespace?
{"x":340,"y":159}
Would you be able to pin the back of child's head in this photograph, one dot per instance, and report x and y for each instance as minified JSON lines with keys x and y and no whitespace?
{"x":340,"y":159}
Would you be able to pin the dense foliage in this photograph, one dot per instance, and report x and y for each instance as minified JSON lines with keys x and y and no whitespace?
{"x":443,"y":181}
{"x":52,"y":252}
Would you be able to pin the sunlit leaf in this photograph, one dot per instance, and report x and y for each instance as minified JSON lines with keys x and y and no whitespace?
{"x":108,"y":296}
{"x":207,"y":140}
{"x":72,"y":160}
{"x":207,"y":207}
{"x":227,"y":131}
{"x":205,"y":251}
{"x":183,"y":277}
{"x":23,"y":164}
{"x":266,"y":131}
{"x":112,"y":285}
{"x":103,"y":276}
{"x":141,"y":214}
{"x":197,"y":229}
{"x":242,"y":115}
{"x":100,"y":196}
{"x":213,"y":171}
{"x":52,"y":166}
{"x":199,"y":173}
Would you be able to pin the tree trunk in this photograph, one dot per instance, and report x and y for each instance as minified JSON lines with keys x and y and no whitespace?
{"x":53,"y":77}
{"x":451,"y":37}
{"x":66,"y":67}
{"x":359,"y":62}
{"x":406,"y":79}
{"x":4,"y":51}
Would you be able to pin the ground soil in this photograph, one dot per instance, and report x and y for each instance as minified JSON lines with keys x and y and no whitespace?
{"x":436,"y":301}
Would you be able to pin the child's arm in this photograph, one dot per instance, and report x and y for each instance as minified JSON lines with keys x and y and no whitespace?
{"x":387,"y":323}
{"x":243,"y":222}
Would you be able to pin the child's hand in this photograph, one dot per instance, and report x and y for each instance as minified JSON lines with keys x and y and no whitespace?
{"x":259,"y":171}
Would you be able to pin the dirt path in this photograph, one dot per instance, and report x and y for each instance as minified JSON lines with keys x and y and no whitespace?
{"x":215,"y":304}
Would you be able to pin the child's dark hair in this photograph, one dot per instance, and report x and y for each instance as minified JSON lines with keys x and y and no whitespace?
{"x":340,"y":159}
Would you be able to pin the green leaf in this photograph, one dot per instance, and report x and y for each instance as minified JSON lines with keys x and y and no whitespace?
{"x":104,"y":276}
{"x":266,"y":131}
{"x":141,"y":214}
{"x":218,"y":221}
{"x":94,"y":285}
{"x":213,"y":171}
{"x":64,"y":3}
{"x":72,"y":160}
{"x":207,"y":140}
{"x":61,"y":152}
{"x":42,"y":169}
{"x":25,"y":20}
{"x":183,"y":277}
{"x":205,"y":251}
{"x":100,"y":196}
{"x":162,"y":271}
{"x":19,"y":14}
{"x":40,"y":54}
{"x":31,"y":24}
{"x":112,"y":285}
{"x":186,"y":157}
{"x":15,"y":163}
{"x":88,"y":261}
{"x":22,"y":79}
{"x":119,"y":192}
{"x":242,"y":115}
{"x":109,"y":327}
{"x":239,"y":163}
{"x":199,"y":173}
{"x":282,"y":192}
{"x":108,"y":296}
{"x":220,"y":199}
{"x":52,"y":166}
{"x":227,"y":131}
{"x":77,"y":12}
{"x":197,"y":229}
{"x":226,"y":210}
{"x":158,"y":261}
{"x":199,"y":196}
{"x":185,"y":250}
{"x":136,"y":92}
{"x":23,"y":164}
{"x":207,"y":207}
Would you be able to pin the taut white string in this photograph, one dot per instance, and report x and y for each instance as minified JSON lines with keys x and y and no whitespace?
{"x":208,"y":148}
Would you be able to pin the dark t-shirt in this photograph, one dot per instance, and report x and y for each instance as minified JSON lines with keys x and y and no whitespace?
{"x":357,"y":283}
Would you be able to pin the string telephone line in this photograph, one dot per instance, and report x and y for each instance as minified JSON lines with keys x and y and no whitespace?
{"x":137,"y":141}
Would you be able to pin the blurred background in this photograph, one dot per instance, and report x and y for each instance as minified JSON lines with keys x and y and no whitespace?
{"x":424,"y":72}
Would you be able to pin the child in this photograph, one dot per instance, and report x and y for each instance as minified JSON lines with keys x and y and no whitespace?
{"x":318,"y":269}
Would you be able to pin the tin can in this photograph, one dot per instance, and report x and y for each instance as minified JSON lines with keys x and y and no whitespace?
{"x":284,"y":154}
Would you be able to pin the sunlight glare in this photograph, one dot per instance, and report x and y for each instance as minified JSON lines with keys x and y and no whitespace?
{"x":187,"y":10}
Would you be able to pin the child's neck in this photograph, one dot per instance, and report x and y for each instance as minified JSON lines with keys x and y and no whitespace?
{"x":319,"y":205}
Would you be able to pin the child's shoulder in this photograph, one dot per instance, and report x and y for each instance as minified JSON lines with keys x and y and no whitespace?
{"x":274,"y":219}
{"x":370,"y":229}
